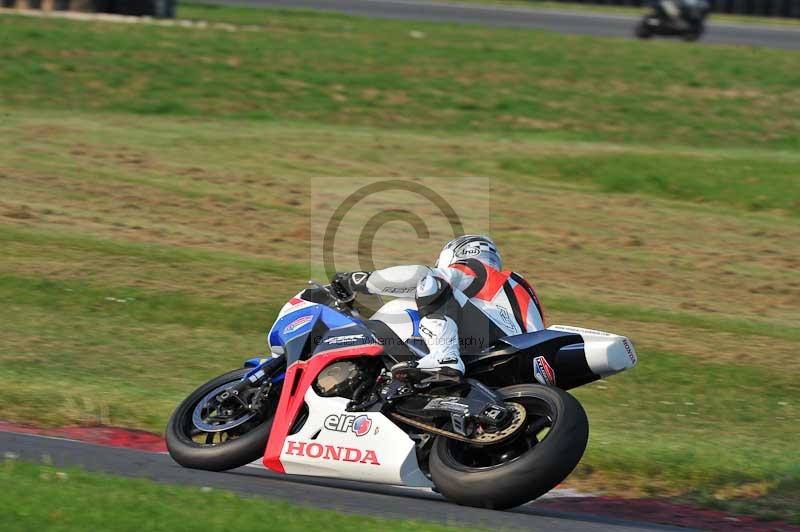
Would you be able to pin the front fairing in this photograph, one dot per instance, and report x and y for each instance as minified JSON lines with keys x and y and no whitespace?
{"x":306,"y":328}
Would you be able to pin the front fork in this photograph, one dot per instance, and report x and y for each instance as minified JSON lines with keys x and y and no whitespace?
{"x":262,"y":368}
{"x":265,"y":373}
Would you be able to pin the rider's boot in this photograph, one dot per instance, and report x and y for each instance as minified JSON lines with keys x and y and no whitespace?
{"x":440,"y":334}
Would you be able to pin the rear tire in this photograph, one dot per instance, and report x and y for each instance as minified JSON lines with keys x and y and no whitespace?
{"x":230,"y":454}
{"x":527,"y":476}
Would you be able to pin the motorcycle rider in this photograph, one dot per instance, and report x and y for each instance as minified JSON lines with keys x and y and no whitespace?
{"x":466,"y":293}
{"x":692,"y":12}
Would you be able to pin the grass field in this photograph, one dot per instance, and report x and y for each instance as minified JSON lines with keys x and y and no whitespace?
{"x":57,"y":499}
{"x":155,"y":205}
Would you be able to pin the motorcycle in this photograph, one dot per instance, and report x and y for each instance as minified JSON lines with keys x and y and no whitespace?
{"x":681,"y":18}
{"x":325,"y":404}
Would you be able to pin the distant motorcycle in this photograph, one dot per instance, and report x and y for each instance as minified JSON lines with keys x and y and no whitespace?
{"x":326,"y":405}
{"x":676,"y":18}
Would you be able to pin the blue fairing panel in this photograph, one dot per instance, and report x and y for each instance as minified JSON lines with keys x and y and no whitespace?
{"x":334,"y":319}
{"x":299,"y":322}
{"x":351,"y":335}
{"x":294,"y":324}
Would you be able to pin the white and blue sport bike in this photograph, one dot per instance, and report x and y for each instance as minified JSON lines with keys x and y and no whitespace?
{"x":326,"y":405}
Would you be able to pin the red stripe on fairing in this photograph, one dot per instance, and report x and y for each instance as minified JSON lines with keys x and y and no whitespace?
{"x":295,"y":301}
{"x":299,"y":377}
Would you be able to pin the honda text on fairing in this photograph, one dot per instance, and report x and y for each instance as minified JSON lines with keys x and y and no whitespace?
{"x":325,"y":404}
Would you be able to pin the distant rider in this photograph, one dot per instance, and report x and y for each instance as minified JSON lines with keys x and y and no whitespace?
{"x":466,"y":300}
{"x":693,"y":12}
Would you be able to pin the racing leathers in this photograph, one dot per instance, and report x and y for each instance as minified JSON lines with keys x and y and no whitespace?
{"x":462,"y":308}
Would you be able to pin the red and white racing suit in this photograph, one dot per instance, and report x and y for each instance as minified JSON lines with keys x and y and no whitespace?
{"x":462,"y":308}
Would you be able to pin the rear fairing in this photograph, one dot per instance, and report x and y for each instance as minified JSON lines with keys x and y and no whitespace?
{"x":562,"y":356}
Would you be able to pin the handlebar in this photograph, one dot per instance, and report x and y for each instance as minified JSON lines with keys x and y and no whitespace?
{"x":340,"y":303}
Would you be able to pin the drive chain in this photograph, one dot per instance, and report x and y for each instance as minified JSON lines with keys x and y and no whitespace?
{"x":485,"y":438}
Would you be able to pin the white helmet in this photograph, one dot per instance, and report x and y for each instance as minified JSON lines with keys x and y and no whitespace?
{"x":466,"y":247}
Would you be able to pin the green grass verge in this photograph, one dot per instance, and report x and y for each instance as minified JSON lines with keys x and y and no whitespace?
{"x":69,"y":499}
{"x":740,"y":181}
{"x":338,"y":69}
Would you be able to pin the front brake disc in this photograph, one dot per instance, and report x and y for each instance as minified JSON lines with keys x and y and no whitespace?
{"x":202,"y":419}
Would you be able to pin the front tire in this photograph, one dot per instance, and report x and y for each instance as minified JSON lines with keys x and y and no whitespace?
{"x":509,"y":474}
{"x":239,"y":449}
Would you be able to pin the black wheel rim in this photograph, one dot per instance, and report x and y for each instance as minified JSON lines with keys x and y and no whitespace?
{"x":222,"y":426}
{"x":541,"y":418}
{"x":220,"y":411}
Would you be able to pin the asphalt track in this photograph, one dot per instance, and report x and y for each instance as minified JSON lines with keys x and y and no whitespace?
{"x":584,"y":23}
{"x":343,"y":496}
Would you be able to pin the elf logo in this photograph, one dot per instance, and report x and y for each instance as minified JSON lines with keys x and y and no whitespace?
{"x":331,"y":452}
{"x":360,"y":425}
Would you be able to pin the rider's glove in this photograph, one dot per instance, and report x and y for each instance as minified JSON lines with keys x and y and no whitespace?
{"x":347,"y":284}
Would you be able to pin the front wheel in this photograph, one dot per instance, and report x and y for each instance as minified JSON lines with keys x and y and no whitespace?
{"x":205,"y":432}
{"x":511,"y":473}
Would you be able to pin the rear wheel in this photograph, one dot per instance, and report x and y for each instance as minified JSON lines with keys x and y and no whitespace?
{"x":212,"y":431}
{"x":517,"y":471}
